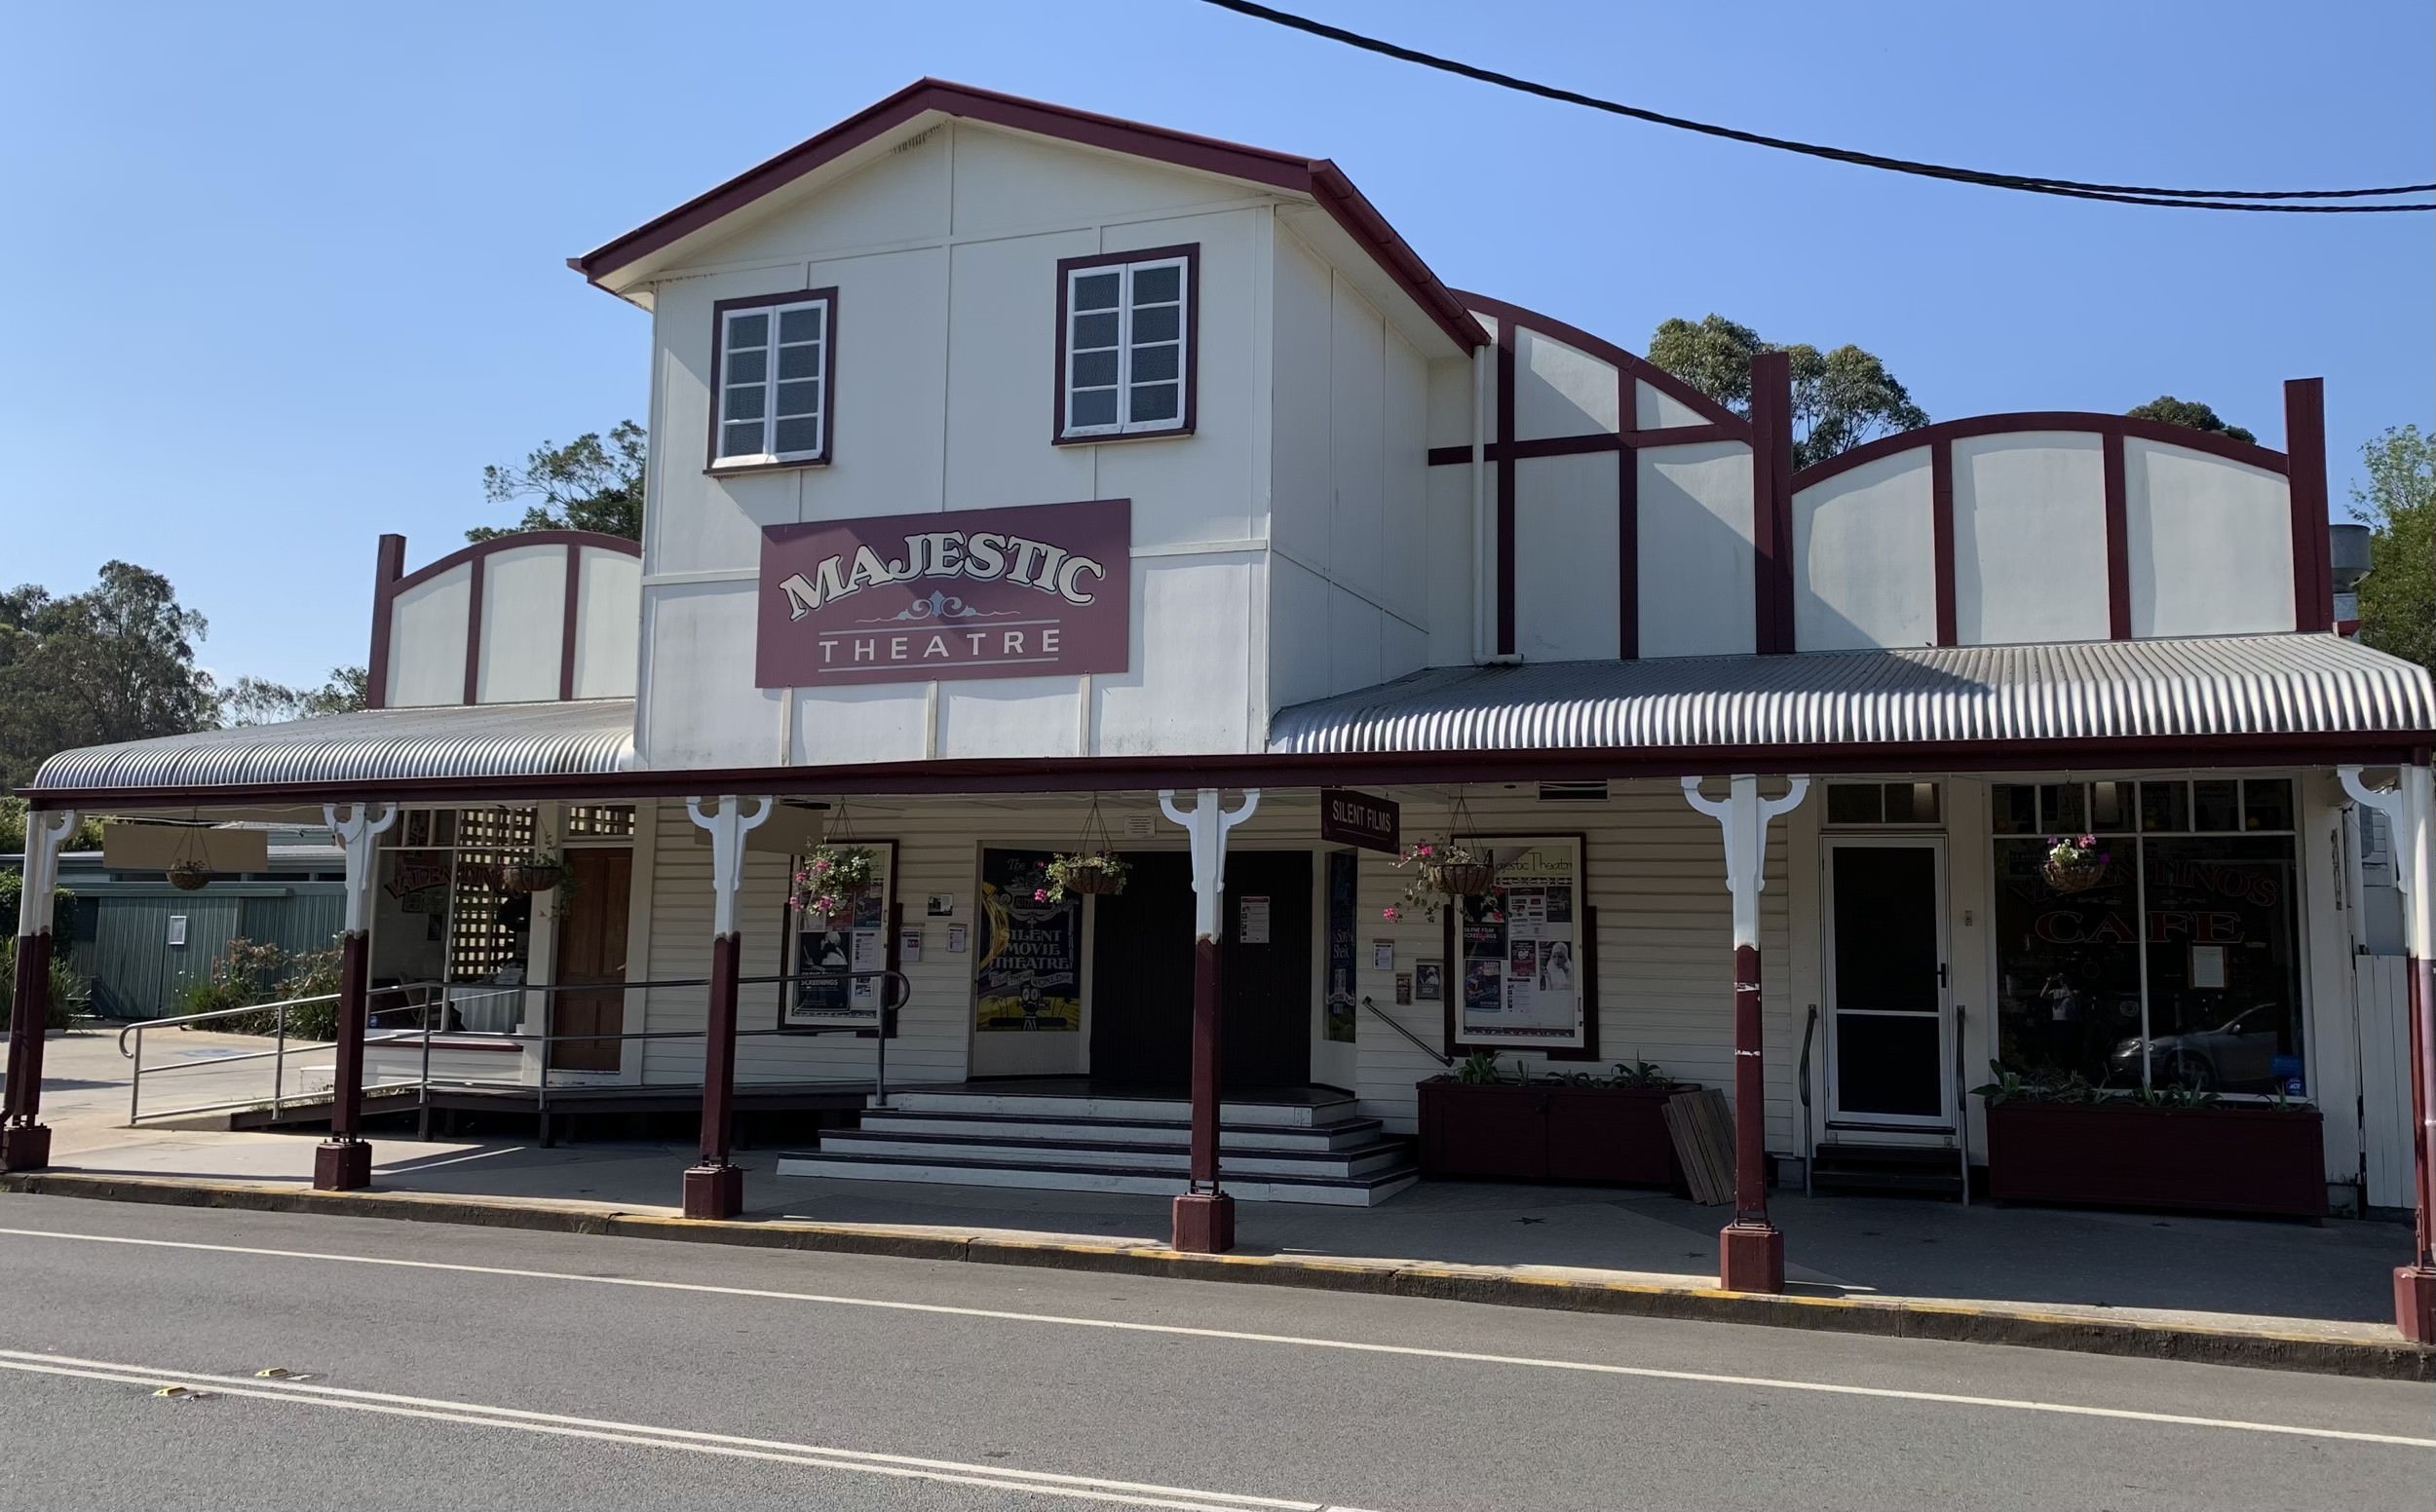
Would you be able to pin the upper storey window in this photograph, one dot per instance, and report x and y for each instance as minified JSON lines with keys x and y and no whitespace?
{"x":774,"y":368}
{"x":1125,"y":343}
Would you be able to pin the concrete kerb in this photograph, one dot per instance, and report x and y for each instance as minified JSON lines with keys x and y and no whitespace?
{"x":1896,"y":1318}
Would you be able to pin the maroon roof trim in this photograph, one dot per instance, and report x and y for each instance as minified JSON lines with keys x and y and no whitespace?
{"x":1595,"y":442}
{"x":2313,"y":547}
{"x":2118,"y":605}
{"x":1317,"y":178}
{"x":978,"y":775}
{"x":2120,"y":426}
{"x":389,"y":564}
{"x":1735,"y":426}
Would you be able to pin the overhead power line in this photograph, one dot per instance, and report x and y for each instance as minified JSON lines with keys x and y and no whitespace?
{"x":2267,"y":201}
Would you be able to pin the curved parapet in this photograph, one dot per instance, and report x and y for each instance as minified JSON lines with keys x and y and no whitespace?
{"x":536,"y":617}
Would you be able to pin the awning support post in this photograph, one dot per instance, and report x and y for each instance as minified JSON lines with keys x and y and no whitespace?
{"x":1204,"y":1216}
{"x":343,"y":1162}
{"x":1751,"y":1250}
{"x":2410,"y":807}
{"x":714,"y":1186}
{"x":24,"y":1140}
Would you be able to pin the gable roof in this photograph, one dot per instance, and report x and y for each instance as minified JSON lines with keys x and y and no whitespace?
{"x":1323,"y":181}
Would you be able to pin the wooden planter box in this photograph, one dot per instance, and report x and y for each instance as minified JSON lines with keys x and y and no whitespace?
{"x":1550,"y":1132}
{"x":2203,"y":1160}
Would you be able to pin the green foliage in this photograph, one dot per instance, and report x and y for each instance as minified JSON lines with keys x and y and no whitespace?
{"x":1841,"y":398}
{"x":1479,"y":1069}
{"x":114,"y":663}
{"x":12,"y":897}
{"x":70,"y":994}
{"x":586,"y":484}
{"x":256,"y":971}
{"x":1482,"y":1068}
{"x":2398,"y":505}
{"x":257,"y":701}
{"x":2189,"y":412}
{"x":2014,"y":1087}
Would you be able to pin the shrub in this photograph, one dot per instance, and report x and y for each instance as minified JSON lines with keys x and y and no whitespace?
{"x":69,"y":993}
{"x":257,"y":971}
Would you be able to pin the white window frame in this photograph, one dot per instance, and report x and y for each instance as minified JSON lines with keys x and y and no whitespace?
{"x":1124,"y":425}
{"x":774,"y":311}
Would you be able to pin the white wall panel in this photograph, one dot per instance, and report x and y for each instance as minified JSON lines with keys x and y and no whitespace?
{"x":2029,"y":539}
{"x":1403,"y":537}
{"x":2211,"y":544}
{"x":1358,"y":401}
{"x":888,"y":445}
{"x":1695,"y":558}
{"x":1450,"y":401}
{"x":427,"y":638}
{"x":709,"y":714}
{"x":1450,"y":577}
{"x":1002,"y":374}
{"x":524,"y":616}
{"x":698,"y":524}
{"x":1655,"y":409}
{"x":902,"y":197}
{"x":1865,"y":561}
{"x":872,"y":722}
{"x":608,"y":623}
{"x":1299,"y":504}
{"x":1357,"y":643}
{"x":1566,"y":557}
{"x":1010,"y":183}
{"x":1298,"y":634}
{"x":1190,"y":689}
{"x":1015,"y":716}
{"x":1561,"y":390}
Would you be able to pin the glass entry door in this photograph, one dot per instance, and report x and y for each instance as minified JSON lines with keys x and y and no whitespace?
{"x":1886,"y":983}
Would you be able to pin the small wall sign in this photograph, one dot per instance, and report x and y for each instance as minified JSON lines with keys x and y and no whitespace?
{"x":956,"y":939}
{"x":942,"y":905}
{"x":1429,"y":980}
{"x":909,"y":945}
{"x":1403,"y":989}
{"x":1252,"y":927}
{"x":1383,"y":955}
{"x":1351,"y":819}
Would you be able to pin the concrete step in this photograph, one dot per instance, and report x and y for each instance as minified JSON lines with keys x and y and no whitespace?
{"x":1366,"y":1160}
{"x":1357,"y":1191}
{"x":1892,"y":1170}
{"x":1341,"y":1135}
{"x":1147,"y":1109}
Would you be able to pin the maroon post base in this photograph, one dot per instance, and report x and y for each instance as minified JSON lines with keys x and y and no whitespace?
{"x":714,"y":1190}
{"x":342,"y":1165}
{"x":1751,"y":1258}
{"x":2415,"y":1302}
{"x":25,"y":1148}
{"x":1204,"y":1222}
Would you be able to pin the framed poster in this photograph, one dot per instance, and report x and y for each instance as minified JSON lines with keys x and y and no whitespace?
{"x":836,"y":962}
{"x":1345,"y":873}
{"x":1518,"y":952}
{"x":1027,"y":971}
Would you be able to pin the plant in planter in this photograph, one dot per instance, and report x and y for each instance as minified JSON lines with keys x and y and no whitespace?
{"x":1640,"y":1074}
{"x":2074,"y":864}
{"x":1480,"y":1122}
{"x":1088,"y":872}
{"x":834,"y":879}
{"x":1479,"y":1069}
{"x":1444,"y":871}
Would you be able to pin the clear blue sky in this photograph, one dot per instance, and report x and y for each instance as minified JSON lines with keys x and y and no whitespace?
{"x":278,"y":278}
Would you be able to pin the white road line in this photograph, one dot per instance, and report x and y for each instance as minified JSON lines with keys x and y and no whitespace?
{"x":1236,"y":1336}
{"x":1131,"y":1494}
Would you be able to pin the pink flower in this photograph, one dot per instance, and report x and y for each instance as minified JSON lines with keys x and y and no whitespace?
{"x":1392,"y":913}
{"x":1040,"y":895}
{"x":1424,"y":849}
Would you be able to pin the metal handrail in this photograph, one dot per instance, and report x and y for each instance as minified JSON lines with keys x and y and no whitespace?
{"x":1418,"y":1044}
{"x":1962,"y":1108}
{"x":184,"y":1019}
{"x":1809,"y":1146}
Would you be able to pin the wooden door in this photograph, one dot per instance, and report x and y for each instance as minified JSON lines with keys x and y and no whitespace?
{"x":1267,"y":949}
{"x":1142,"y":976}
{"x":592,"y":951}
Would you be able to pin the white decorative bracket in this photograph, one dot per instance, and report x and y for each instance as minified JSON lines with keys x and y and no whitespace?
{"x":1743,"y":816}
{"x":45,"y":835}
{"x":356,"y":830}
{"x":1205,"y":825}
{"x":728,"y":823}
{"x":2411,"y":808}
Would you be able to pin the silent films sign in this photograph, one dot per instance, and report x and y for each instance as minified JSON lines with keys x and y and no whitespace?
{"x":1517,"y":948}
{"x":1044,"y":589}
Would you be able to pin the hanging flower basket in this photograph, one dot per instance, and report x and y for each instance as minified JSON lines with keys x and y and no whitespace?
{"x":1089,"y":874}
{"x":2074,"y":864}
{"x":834,"y":879}
{"x":531,"y":873}
{"x":1443,"y":869}
{"x":189,"y":876}
{"x":1461,"y":879}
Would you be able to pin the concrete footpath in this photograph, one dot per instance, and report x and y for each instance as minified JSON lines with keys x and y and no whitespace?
{"x":2283,"y":1296}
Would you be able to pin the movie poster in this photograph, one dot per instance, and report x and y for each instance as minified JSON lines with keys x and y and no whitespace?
{"x":1027,"y":972}
{"x":1345,"y":873}
{"x":838,"y":961}
{"x":1515,"y":948}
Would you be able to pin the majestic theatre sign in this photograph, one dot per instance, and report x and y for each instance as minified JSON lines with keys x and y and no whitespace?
{"x":1044,"y":589}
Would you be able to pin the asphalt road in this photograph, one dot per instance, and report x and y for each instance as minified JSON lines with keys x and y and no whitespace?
{"x":476,"y":1368}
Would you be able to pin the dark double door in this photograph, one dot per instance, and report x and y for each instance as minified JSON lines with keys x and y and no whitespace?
{"x":1142,"y":973}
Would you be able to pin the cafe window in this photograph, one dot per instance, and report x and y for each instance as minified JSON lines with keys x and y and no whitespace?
{"x":449,"y":941}
{"x":2177,"y":963}
{"x":1881,"y":803}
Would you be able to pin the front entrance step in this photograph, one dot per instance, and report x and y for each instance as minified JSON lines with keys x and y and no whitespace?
{"x":1363,"y":1159}
{"x":1175,"y":1129}
{"x":1319,"y":1110}
{"x":1353,"y":1191}
{"x":1888,"y":1170}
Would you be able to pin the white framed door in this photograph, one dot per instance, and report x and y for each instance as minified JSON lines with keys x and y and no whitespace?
{"x":1890,"y":1031}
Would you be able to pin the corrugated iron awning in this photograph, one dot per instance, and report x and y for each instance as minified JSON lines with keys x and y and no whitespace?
{"x":594,"y":736}
{"x":2310,"y":685}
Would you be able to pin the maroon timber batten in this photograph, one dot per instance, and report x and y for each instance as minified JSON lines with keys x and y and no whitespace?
{"x":24,"y":1144}
{"x":1204,"y":1218}
{"x":343,"y":1162}
{"x":2260,"y":1160}
{"x":714,"y":1186}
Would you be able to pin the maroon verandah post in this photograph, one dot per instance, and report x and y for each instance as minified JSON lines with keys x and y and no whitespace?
{"x":24,"y":1140}
{"x":1203,"y":1217}
{"x":343,"y":1162}
{"x":714,"y":1185}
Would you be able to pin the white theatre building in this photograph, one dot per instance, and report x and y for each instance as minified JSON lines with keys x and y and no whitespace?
{"x":1028,"y":483}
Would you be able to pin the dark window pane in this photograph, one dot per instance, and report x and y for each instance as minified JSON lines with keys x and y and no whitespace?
{"x":2269,"y":801}
{"x":1157,"y":285}
{"x":797,"y":437}
{"x":2224,"y":965}
{"x":1155,"y":401}
{"x":2065,"y":807}
{"x":1094,"y":330}
{"x":1094,"y":369}
{"x":802,"y":324}
{"x":2109,"y":806}
{"x":747,"y":366}
{"x":2164,"y":808}
{"x":2068,"y":967}
{"x":740,"y":440}
{"x":1911,"y":803}
{"x":748,"y":330}
{"x":1852,"y":803}
{"x":800,"y":399}
{"x":1886,"y":928}
{"x":2216,"y":806}
{"x":1161,"y":324}
{"x":744,"y":403}
{"x":1888,"y":1064}
{"x":2013,"y":809}
{"x":1095,"y":291}
{"x":1153,"y":364}
{"x":1097,"y":407}
{"x":799,"y":361}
